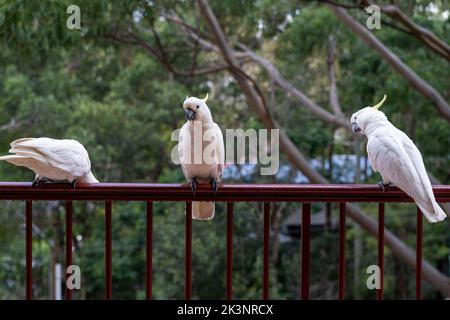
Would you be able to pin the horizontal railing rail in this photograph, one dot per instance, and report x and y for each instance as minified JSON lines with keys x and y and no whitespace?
{"x":230,"y":193}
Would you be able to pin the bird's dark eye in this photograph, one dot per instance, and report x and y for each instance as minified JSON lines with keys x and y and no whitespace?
{"x":198,"y":107}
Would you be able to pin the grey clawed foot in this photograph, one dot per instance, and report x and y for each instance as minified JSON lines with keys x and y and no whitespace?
{"x":36,"y":182}
{"x":383,"y":185}
{"x":194,"y":184}
{"x":215,"y":184}
{"x":39,"y":182}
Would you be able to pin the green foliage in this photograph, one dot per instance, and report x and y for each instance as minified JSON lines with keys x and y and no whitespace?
{"x":123,"y":105}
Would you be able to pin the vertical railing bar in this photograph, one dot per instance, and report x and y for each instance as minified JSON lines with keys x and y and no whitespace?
{"x":149,"y":252}
{"x":380,"y":292}
{"x":108,"y":250}
{"x":188,"y":252}
{"x":29,"y":249}
{"x":342,"y":229}
{"x":229,"y":257}
{"x":419,"y":243}
{"x":69,"y":218}
{"x":305,"y":250}
{"x":266,"y":249}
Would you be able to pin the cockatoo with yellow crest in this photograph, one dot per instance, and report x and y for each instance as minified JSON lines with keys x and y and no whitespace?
{"x":393,"y":154}
{"x":52,"y":160}
{"x":201,"y":151}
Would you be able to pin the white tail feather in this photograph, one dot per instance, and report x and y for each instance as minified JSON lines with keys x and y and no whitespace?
{"x":89,"y":178}
{"x":203,"y":210}
{"x":436,"y":216}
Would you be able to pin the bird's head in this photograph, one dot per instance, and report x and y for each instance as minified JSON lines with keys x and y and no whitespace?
{"x":197,"y":109}
{"x":368,"y":115}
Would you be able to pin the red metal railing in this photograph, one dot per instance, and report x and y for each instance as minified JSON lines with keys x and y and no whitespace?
{"x":305,"y":194}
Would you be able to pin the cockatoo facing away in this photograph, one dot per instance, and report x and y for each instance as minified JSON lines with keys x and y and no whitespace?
{"x":202,"y":153}
{"x":392,"y":153}
{"x":52,"y":160}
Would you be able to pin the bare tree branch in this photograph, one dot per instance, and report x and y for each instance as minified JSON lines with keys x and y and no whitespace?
{"x":254,"y":100}
{"x":139,"y":42}
{"x":158,"y":42}
{"x":424,"y":35}
{"x":386,"y":54}
{"x":194,"y":58}
{"x":10,"y":125}
{"x":337,"y":119}
{"x":342,"y":5}
{"x":437,"y":279}
{"x":318,"y":111}
{"x":334,"y":99}
{"x":201,"y":37}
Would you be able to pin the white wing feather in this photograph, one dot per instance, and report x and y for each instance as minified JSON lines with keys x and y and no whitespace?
{"x":220,"y":151}
{"x":64,"y":155}
{"x":184,"y":150}
{"x":399,"y":161}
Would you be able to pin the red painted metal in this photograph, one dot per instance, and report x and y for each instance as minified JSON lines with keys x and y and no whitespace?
{"x":149,"y":252}
{"x":419,"y":243}
{"x":230,"y":192}
{"x":229,"y":259}
{"x":380,"y":292}
{"x":69,"y":217}
{"x":188,"y":253}
{"x":342,"y":250}
{"x":266,"y":251}
{"x":305,"y":252}
{"x":29,"y":249}
{"x":108,"y":250}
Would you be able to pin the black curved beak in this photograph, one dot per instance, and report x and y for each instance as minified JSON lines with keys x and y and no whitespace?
{"x":355,"y":128}
{"x":190,"y":114}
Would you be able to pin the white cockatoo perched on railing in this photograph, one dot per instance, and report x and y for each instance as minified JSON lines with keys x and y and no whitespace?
{"x":392,"y":153}
{"x":201,"y":150}
{"x":52,"y":160}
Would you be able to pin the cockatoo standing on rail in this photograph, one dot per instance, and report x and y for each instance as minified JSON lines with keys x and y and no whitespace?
{"x":52,"y":160}
{"x":201,"y":150}
{"x":392,"y":153}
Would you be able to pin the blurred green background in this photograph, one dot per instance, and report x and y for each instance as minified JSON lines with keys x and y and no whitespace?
{"x":117,"y":86}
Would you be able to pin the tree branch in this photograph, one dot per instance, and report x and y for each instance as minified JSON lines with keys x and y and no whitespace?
{"x":424,"y":35}
{"x":334,"y":99}
{"x":194,"y":57}
{"x":318,"y":111}
{"x":10,"y":125}
{"x":158,"y":42}
{"x":162,"y":59}
{"x":342,"y":5}
{"x":386,"y":54}
{"x":421,"y":33}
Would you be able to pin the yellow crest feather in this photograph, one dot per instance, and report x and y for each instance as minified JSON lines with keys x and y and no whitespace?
{"x":379,"y":104}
